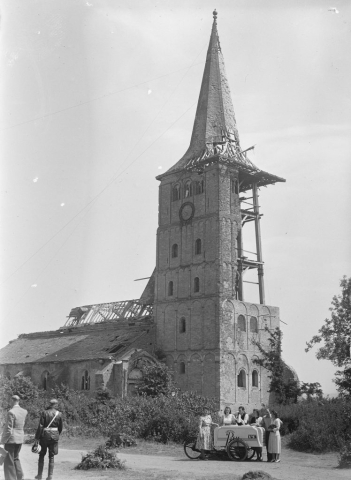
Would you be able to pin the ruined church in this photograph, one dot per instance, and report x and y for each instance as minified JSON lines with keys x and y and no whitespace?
{"x":192,"y":314}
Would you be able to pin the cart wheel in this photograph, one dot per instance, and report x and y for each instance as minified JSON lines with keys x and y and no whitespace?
{"x":237,"y":450}
{"x":250,"y":453}
{"x":190,"y":450}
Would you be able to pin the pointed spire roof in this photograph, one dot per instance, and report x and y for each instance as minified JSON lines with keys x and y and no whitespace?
{"x":215,"y":119}
{"x":215,"y":135}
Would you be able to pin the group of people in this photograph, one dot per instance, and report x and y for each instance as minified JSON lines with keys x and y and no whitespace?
{"x":46,"y":439}
{"x":264,"y":418}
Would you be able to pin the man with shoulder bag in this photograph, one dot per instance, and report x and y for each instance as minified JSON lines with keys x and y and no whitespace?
{"x":47,"y":435}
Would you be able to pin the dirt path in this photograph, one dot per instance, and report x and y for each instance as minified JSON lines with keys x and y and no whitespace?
{"x":294,"y":466}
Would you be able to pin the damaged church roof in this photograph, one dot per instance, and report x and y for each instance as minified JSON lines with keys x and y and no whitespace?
{"x":96,"y":341}
{"x":114,"y":311}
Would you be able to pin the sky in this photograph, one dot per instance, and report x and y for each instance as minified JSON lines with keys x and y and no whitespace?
{"x":98,"y":97}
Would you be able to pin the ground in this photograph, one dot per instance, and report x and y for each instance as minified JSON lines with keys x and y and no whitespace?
{"x":168,"y":462}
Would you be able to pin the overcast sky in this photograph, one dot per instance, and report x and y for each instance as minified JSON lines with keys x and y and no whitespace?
{"x":98,"y":97}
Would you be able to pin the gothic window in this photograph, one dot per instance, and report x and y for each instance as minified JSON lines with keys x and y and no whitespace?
{"x":176,"y":193}
{"x":44,"y":379}
{"x":174,"y":250}
{"x":196,"y":284}
{"x":85,"y":380}
{"x":182,"y":325}
{"x":255,"y":378}
{"x":198,"y":246}
{"x":181,"y":368}
{"x":241,"y":323}
{"x":253,"y":325}
{"x":170,"y":289}
{"x":188,"y":191}
{"x":242,"y":379}
{"x":198,"y":187}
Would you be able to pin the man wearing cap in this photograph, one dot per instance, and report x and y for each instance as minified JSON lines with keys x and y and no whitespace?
{"x":12,"y":437}
{"x":48,"y":432}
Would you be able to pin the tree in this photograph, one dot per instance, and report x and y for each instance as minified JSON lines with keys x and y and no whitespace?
{"x":336,"y":335}
{"x":156,"y":380}
{"x":311,"y":390}
{"x":271,"y":359}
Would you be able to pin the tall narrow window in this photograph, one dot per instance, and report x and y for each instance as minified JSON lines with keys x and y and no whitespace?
{"x":86,"y":380}
{"x":241,"y":323}
{"x":188,"y":191}
{"x":198,"y":187}
{"x":253,"y":325}
{"x":182,"y":325}
{"x":242,"y":379}
{"x":182,"y":368}
{"x":196,"y":284}
{"x":255,"y":378}
{"x":174,"y":250}
{"x":198,"y":246}
{"x":170,"y":289}
{"x":235,"y":186}
{"x":45,"y":378}
{"x":176,"y":193}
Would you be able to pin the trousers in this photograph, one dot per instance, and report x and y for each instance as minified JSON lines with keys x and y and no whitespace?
{"x":50,"y":445}
{"x":12,"y":465}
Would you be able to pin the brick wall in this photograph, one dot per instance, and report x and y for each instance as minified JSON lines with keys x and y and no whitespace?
{"x":213,"y":348}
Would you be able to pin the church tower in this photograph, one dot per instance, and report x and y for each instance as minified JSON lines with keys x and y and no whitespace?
{"x":203,"y":324}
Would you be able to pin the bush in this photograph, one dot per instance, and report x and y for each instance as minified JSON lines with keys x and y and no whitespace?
{"x":345,"y":453}
{"x":256,"y":475}
{"x":316,"y":426}
{"x":100,"y":459}
{"x":120,"y":440}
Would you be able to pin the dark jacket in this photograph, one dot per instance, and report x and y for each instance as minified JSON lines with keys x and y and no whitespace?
{"x":45,"y":419}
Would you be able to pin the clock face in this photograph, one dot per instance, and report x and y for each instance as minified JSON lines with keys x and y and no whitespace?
{"x":186,"y":211}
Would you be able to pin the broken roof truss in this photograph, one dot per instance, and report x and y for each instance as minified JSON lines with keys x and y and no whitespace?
{"x":108,"y":312}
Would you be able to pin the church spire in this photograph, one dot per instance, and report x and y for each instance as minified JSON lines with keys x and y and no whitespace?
{"x":214,"y":124}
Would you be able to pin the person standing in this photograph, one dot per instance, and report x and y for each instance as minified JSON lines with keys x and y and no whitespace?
{"x":48,"y":434}
{"x":274,"y":445}
{"x":12,"y":438}
{"x":204,"y":441}
{"x":266,"y":422}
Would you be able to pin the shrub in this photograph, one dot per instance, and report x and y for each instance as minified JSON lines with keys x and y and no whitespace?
{"x":100,"y":459}
{"x":120,"y":440}
{"x":256,"y":475}
{"x":156,"y":380}
{"x":345,"y":453}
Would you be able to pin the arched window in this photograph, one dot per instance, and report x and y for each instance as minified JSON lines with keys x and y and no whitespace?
{"x":255,"y":378}
{"x":253,"y":325}
{"x":174,"y":250}
{"x":196,"y":284}
{"x":176,"y":193}
{"x":242,"y":379}
{"x":182,"y":325}
{"x":241,"y":323}
{"x":45,"y":380}
{"x":199,"y":187}
{"x":198,"y":246}
{"x":188,"y":191}
{"x":181,"y":368}
{"x":170,"y":289}
{"x":85,"y":380}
